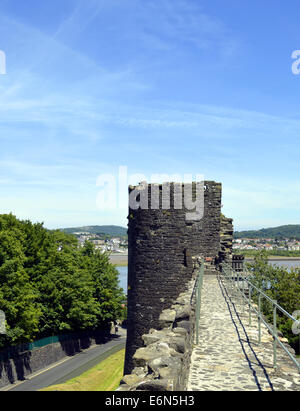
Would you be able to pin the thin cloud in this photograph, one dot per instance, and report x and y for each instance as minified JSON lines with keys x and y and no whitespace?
{"x":177,"y":23}
{"x":82,"y":15}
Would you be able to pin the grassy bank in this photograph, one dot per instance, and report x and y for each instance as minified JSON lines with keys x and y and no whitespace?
{"x":105,"y":376}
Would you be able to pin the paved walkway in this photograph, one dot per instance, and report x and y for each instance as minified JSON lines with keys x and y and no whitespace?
{"x":228,"y":357}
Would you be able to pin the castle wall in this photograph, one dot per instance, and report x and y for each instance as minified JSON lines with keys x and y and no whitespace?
{"x":161,"y":244}
{"x":226,"y":239}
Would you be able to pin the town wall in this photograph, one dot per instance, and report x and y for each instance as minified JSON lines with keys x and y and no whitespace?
{"x":161,"y":245}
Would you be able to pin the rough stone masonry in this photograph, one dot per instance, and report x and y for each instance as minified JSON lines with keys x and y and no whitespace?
{"x":161,"y":244}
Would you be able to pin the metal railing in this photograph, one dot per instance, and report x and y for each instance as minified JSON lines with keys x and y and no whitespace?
{"x":198,"y":292}
{"x":237,"y":282}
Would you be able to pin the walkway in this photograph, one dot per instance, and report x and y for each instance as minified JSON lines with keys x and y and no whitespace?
{"x":228,"y":357}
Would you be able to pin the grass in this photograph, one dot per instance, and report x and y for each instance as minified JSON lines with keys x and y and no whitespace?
{"x":105,"y":376}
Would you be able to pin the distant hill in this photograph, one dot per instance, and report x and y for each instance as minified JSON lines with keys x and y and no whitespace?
{"x":284,"y":231}
{"x":111,"y":230}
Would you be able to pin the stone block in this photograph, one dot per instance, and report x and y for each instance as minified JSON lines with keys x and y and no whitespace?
{"x":156,"y":385}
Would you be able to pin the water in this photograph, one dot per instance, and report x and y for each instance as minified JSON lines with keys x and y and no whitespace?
{"x":286,"y":263}
{"x":282,"y":263}
{"x":123,"y":277}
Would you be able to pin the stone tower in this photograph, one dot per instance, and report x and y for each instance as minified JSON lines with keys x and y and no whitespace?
{"x":161,"y":244}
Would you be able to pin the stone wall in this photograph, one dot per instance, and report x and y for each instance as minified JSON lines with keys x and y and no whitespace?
{"x":163,"y":363}
{"x":161,"y":244}
{"x":20,"y":362}
{"x":226,"y":239}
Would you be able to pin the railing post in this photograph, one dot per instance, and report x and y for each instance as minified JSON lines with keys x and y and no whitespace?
{"x":240,"y":288}
{"x":249,"y":303}
{"x":275,"y":334}
{"x":198,"y":305}
{"x":234,"y":274}
{"x":197,"y":309}
{"x":259,"y":318}
{"x":243,"y":293}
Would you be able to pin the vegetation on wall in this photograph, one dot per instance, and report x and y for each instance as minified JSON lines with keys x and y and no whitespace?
{"x":49,"y":285}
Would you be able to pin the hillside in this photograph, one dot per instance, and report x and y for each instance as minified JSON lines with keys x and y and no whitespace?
{"x":111,"y":230}
{"x":284,"y":231}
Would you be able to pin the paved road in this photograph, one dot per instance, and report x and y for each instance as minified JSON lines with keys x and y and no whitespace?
{"x":69,"y":368}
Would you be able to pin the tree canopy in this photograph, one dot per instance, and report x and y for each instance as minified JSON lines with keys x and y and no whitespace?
{"x":281,"y":285}
{"x":50,"y":285}
{"x":284,"y":231}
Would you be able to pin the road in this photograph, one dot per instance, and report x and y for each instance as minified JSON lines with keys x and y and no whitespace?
{"x":70,"y":367}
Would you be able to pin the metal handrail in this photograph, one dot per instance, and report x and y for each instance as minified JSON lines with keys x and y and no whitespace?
{"x":228,"y":275}
{"x":272,"y":301}
{"x":199,"y":297}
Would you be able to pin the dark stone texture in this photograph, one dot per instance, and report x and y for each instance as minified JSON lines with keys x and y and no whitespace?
{"x":226,"y":239}
{"x":155,"y":385}
{"x":161,"y":247}
{"x":166,"y":356}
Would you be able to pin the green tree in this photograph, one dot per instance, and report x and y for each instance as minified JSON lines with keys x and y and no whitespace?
{"x":107,"y":291}
{"x":17,"y":294}
{"x":281,"y":285}
{"x":49,"y":285}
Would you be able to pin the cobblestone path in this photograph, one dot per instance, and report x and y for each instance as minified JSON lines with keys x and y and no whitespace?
{"x":228,"y":356}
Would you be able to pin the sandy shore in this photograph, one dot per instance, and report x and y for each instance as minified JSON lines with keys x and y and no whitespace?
{"x":119,"y":259}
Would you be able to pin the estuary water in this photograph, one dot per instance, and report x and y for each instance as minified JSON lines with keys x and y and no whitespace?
{"x":286,"y":263}
{"x":123,"y":277}
{"x":282,"y":263}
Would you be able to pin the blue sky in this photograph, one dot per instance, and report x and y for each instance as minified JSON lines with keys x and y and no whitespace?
{"x":159,"y":86}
